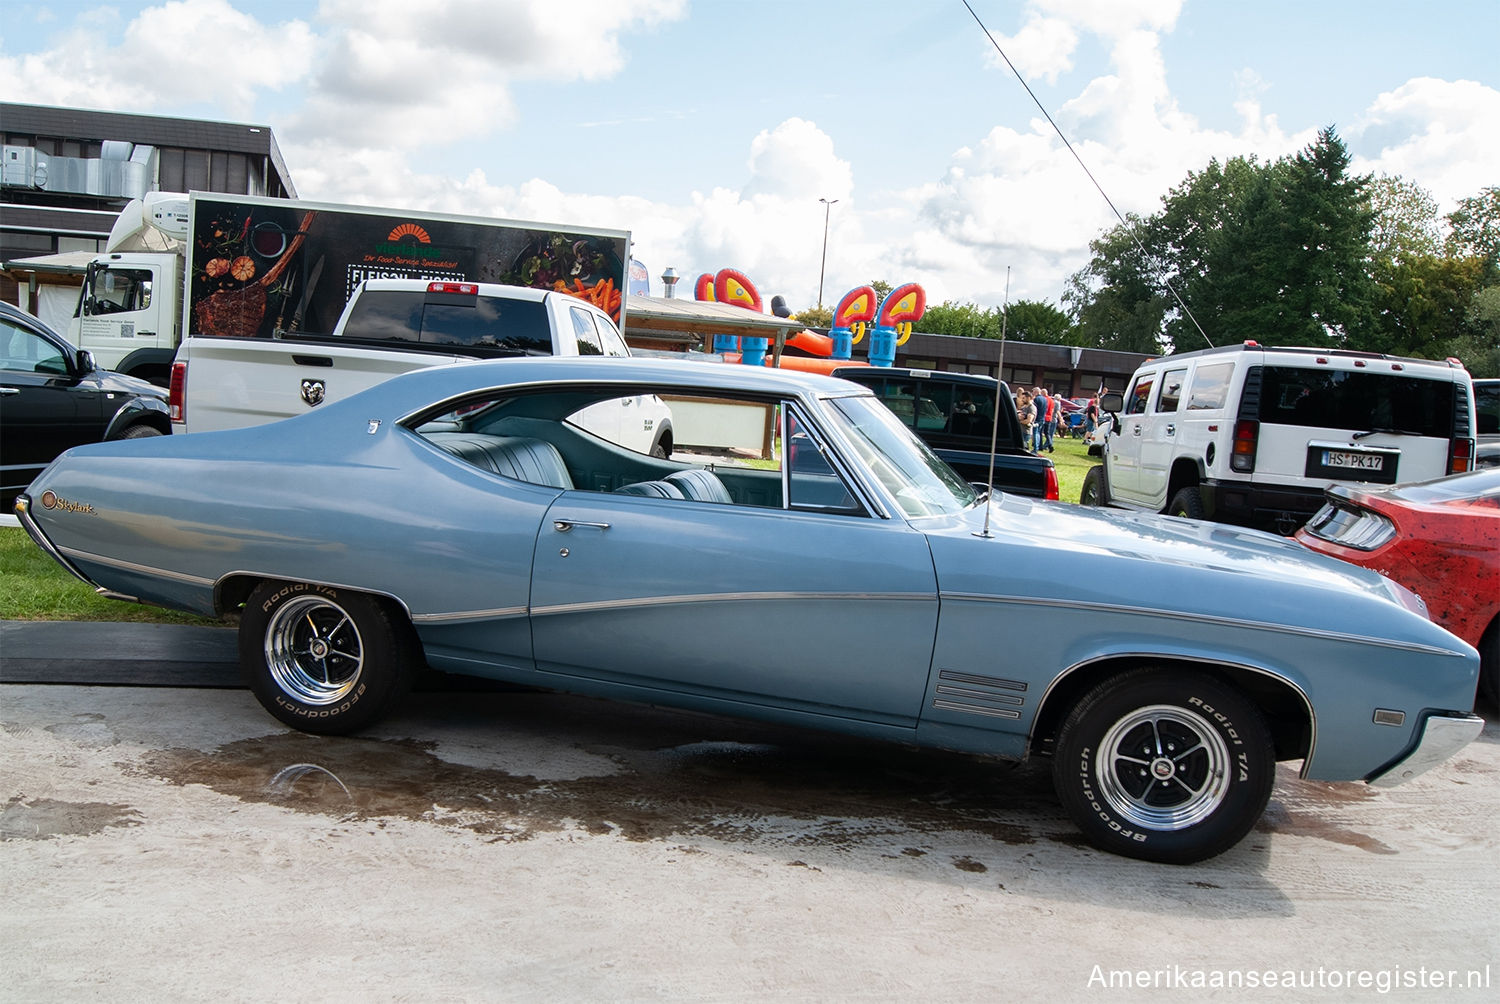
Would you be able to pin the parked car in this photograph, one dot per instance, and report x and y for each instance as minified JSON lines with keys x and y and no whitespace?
{"x":1252,"y":435}
{"x":52,"y":397}
{"x":458,"y":515}
{"x":1440,"y":539}
{"x":1487,"y":408}
{"x":954,"y":413}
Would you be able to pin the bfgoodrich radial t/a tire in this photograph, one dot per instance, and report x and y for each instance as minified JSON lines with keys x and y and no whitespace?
{"x":1164,"y":765}
{"x":321,"y":659}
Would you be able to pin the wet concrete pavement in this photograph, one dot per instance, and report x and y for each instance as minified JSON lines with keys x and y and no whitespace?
{"x":179,"y":843}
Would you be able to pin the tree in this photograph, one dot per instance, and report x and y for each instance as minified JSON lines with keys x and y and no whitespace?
{"x":1278,"y":252}
{"x":966,"y":320}
{"x":1405,"y":222}
{"x":815,"y":317}
{"x":1037,"y":321}
{"x":1475,"y":225}
{"x":1118,"y":300}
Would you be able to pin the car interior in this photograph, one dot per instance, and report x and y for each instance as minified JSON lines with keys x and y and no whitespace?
{"x":529,"y":437}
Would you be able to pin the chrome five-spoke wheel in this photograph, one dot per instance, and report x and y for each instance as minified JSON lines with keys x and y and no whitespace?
{"x":1163,"y":767}
{"x":314,"y":650}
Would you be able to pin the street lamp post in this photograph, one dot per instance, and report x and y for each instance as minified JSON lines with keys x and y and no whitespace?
{"x":822,"y":268}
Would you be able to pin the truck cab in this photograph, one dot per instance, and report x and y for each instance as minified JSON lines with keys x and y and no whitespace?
{"x":129,"y":311}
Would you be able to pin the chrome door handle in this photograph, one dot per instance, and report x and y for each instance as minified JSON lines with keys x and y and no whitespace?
{"x":8,"y":391}
{"x":1171,"y":430}
{"x":564,"y":525}
{"x":1135,"y":430}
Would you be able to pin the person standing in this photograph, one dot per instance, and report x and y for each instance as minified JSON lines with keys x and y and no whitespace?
{"x":1026,"y":415}
{"x":1039,"y":400}
{"x":1047,"y":415}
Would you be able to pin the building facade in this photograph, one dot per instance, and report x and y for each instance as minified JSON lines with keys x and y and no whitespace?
{"x":66,"y":173}
{"x":1071,"y":371}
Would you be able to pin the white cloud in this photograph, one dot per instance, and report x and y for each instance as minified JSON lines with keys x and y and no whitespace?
{"x":1444,"y":135}
{"x":796,"y":160}
{"x":1114,"y":17}
{"x":181,"y":55}
{"x":1043,"y":48}
{"x":444,"y":71}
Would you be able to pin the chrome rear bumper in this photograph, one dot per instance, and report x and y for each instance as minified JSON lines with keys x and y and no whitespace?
{"x":1442,"y":737}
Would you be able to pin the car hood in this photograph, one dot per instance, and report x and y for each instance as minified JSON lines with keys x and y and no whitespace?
{"x":1071,"y":555}
{"x":120,"y":383}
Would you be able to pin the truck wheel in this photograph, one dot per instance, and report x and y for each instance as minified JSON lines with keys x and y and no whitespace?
{"x":1164,"y":766}
{"x":140,"y":432}
{"x":323,"y":660}
{"x":1187,"y":502}
{"x":1095,"y":489}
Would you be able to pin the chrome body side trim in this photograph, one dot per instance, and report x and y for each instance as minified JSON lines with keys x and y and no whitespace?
{"x":1235,"y":622}
{"x":458,"y":616}
{"x":695,"y":598}
{"x":131,"y":566}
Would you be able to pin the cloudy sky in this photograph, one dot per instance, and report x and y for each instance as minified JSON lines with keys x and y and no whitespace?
{"x":710,"y":129}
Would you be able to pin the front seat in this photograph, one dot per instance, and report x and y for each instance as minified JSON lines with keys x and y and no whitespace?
{"x":700,"y":486}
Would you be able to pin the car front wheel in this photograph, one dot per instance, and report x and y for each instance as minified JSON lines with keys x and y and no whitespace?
{"x":323,"y":660}
{"x":1165,"y":766}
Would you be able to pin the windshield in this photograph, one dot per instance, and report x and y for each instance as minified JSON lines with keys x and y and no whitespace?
{"x":921,"y":483}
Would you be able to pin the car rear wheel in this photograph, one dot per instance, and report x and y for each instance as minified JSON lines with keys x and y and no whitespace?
{"x":323,"y":660}
{"x":1165,"y":766}
{"x":1187,"y":502}
{"x":1095,"y":490}
{"x":1489,"y":662}
{"x":141,"y":432}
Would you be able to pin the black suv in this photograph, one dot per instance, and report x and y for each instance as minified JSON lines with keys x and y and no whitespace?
{"x":53,"y":397}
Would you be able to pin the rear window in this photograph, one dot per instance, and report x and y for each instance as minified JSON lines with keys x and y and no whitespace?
{"x":1357,"y":400}
{"x":449,"y":319}
{"x":1487,"y":403}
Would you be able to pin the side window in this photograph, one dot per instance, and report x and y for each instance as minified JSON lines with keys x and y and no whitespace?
{"x":614,"y":345}
{"x":583,"y":330}
{"x":1135,"y":401}
{"x":1210,"y":387}
{"x":812,"y":483}
{"x":1171,"y":390}
{"x":26,"y":352}
{"x":120,"y":289}
{"x":729,"y":450}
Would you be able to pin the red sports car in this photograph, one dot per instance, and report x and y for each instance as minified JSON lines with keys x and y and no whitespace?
{"x":1440,"y":539}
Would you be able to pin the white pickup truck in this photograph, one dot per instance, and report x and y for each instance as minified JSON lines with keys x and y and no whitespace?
{"x":390,"y":326}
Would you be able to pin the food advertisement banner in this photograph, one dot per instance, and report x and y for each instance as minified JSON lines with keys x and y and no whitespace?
{"x":259,"y":266}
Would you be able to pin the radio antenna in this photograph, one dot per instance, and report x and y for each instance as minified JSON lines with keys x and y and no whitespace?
{"x":1129,"y":229}
{"x":989,"y":495}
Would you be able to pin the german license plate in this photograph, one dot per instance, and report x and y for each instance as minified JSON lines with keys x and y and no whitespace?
{"x":1354,"y":461}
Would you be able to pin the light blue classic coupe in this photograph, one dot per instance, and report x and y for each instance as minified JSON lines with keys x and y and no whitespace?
{"x":800,"y":557}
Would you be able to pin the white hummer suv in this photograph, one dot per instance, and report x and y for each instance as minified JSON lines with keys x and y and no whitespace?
{"x":1252,"y":435}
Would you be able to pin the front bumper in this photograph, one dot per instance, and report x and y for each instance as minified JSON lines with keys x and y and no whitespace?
{"x":1442,"y":736}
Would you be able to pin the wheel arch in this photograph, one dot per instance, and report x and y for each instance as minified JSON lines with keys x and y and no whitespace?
{"x":234,"y":589}
{"x":1186,"y":472}
{"x":1287,"y":710}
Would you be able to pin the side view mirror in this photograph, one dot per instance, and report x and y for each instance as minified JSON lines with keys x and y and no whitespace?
{"x":1112,"y":402}
{"x":84,"y":362}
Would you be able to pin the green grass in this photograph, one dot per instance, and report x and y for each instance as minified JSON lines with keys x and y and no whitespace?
{"x":1072,"y":461}
{"x":37,"y":589}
